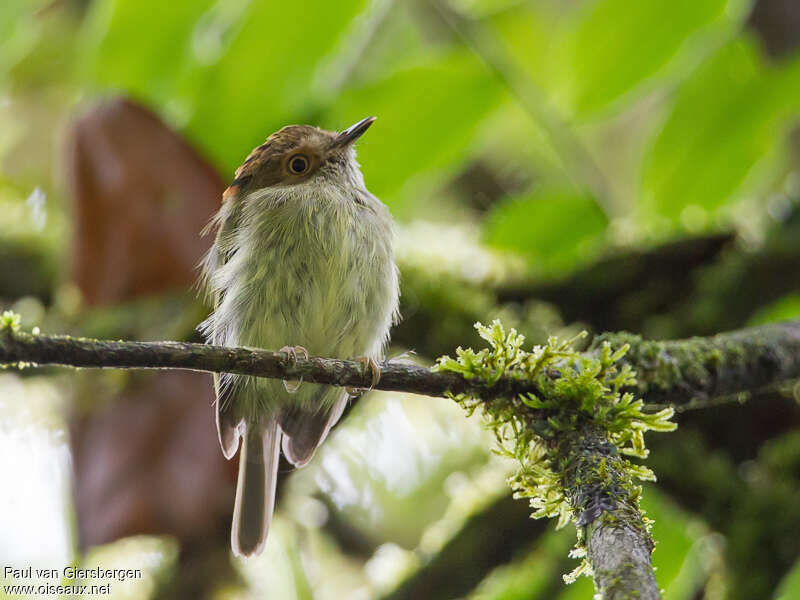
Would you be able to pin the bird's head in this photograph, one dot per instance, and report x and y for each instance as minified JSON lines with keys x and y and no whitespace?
{"x":298,"y":154}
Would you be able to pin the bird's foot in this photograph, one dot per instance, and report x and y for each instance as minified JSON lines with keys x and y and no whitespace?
{"x":375,"y":370}
{"x":291,"y":353}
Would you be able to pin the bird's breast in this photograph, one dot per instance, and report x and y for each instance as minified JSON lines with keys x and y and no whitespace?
{"x":320,"y":275}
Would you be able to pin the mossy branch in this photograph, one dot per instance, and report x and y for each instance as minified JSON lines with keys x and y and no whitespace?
{"x":615,"y":534}
{"x":672,"y":372}
{"x":571,"y":440}
{"x":679,"y":371}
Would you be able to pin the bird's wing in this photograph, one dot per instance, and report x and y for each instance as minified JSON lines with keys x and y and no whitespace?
{"x":305,"y":429}
{"x":226,"y":222}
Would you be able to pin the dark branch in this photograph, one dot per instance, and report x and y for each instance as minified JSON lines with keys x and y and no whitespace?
{"x":669,"y":372}
{"x":627,"y":289}
{"x":395,"y":376}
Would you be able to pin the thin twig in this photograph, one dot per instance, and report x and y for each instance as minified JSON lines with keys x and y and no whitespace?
{"x":701,"y":403}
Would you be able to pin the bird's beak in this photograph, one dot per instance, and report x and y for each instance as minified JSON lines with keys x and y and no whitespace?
{"x":352,"y":133}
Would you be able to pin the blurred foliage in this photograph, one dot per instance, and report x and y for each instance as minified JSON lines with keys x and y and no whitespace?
{"x":725,"y":119}
{"x":228,"y":73}
{"x":598,"y":129}
{"x":712,"y":110}
{"x":535,"y":226}
{"x":784,"y":309}
{"x":155,"y":557}
{"x":373,"y":468}
{"x":790,"y":586}
{"x":685,"y":554}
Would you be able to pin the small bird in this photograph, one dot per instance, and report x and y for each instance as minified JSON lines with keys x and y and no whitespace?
{"x":302,"y":261}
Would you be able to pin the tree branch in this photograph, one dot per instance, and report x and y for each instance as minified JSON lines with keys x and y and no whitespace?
{"x":671,"y":372}
{"x":24,"y":348}
{"x":679,"y":371}
{"x":601,"y":492}
{"x":620,"y":556}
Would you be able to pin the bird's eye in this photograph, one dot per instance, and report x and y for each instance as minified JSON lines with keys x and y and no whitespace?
{"x":298,"y":164}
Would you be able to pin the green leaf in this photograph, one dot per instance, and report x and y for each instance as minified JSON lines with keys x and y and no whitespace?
{"x":789,"y":587}
{"x":11,"y":13}
{"x":784,"y":309}
{"x":683,"y":551}
{"x":726,"y":117}
{"x":555,"y":229}
{"x":139,"y":46}
{"x":530,"y":31}
{"x":28,"y":29}
{"x":427,"y":116}
{"x":611,"y":46}
{"x":591,"y":56}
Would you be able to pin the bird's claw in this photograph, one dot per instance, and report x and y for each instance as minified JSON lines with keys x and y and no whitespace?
{"x":291,"y":352}
{"x":292,"y":385}
{"x":374,"y":369}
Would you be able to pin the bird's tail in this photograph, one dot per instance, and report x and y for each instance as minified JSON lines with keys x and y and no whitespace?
{"x":255,"y":488}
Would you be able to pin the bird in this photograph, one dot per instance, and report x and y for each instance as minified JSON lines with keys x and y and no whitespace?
{"x":302,"y":260}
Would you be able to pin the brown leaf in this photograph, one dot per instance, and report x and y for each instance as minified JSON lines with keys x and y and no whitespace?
{"x":141,"y":197}
{"x":151,"y":463}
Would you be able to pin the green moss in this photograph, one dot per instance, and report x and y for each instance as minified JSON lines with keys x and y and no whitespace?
{"x":572,"y":439}
{"x":10,"y":325}
{"x":9,"y":322}
{"x":693,"y":364}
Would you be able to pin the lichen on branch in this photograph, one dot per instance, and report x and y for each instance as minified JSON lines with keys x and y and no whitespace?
{"x":573,"y":437}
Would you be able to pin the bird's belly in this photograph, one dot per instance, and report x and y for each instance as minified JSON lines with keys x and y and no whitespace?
{"x":333,"y":298}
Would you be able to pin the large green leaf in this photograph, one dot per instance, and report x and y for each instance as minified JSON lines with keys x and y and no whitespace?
{"x":613,"y":45}
{"x":725,"y":118}
{"x":589,"y":57}
{"x":555,"y":229}
{"x":530,"y":32}
{"x":427,"y":115}
{"x":11,"y":13}
{"x":138,"y":46}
